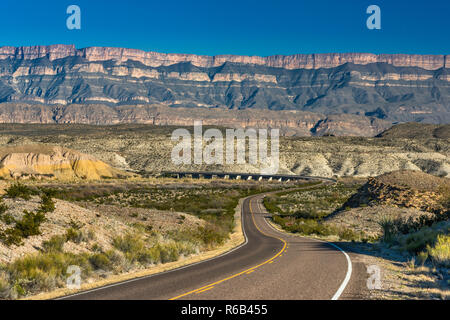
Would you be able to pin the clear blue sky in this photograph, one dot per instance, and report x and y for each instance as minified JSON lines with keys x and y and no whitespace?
{"x":246,"y":27}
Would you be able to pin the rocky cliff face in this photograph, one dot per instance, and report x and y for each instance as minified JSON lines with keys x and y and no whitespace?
{"x":384,"y":87}
{"x":155,"y":59}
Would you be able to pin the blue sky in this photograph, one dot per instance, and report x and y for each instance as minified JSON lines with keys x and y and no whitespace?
{"x":244,"y":27}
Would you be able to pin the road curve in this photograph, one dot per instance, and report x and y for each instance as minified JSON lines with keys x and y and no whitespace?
{"x":270,"y":266}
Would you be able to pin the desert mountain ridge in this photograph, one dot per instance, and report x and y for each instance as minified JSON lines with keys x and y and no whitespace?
{"x":156,"y":59}
{"x":96,"y":85}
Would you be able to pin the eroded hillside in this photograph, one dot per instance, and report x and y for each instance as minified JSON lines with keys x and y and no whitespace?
{"x":146,"y":148}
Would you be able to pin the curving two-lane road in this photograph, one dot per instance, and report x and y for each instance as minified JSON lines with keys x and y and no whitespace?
{"x":270,"y":265}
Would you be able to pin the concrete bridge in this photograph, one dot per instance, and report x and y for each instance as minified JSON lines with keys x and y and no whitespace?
{"x":238,"y":176}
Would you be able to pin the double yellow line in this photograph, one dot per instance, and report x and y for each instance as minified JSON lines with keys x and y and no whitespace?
{"x":210,"y":286}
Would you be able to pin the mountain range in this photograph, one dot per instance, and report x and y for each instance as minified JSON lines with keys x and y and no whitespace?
{"x":116,"y":85}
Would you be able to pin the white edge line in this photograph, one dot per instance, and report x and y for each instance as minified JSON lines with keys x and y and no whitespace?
{"x":168,"y":271}
{"x":349,"y":262}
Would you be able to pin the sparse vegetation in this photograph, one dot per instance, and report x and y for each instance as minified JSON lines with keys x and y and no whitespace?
{"x":19,"y":190}
{"x":55,"y":244}
{"x":74,"y":235}
{"x":47,"y":204}
{"x":303,"y":211}
{"x":144,"y":245}
{"x":29,"y":224}
{"x":440,"y":252}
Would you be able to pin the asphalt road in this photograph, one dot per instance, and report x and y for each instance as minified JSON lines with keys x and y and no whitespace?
{"x":270,"y":265}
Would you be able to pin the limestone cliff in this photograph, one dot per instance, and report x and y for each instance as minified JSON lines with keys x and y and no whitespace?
{"x":394,"y":88}
{"x":155,"y":59}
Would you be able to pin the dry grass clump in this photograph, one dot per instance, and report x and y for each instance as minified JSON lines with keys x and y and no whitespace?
{"x":440,"y":252}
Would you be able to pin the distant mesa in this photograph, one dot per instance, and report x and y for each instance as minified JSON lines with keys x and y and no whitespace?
{"x":306,"y":94}
{"x":52,"y":162}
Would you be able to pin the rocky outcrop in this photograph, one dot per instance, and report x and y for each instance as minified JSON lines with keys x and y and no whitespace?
{"x":43,"y":161}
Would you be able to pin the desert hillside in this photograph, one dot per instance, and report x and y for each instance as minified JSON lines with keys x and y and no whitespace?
{"x":147,"y":149}
{"x":47,"y":161}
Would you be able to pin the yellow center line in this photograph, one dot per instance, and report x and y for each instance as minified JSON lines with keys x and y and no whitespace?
{"x":204,"y":290}
{"x":250,"y":271}
{"x":210,"y":286}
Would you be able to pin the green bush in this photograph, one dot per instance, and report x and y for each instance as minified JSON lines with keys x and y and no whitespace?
{"x":18,"y":190}
{"x":4,"y":286}
{"x":212,"y":235}
{"x":440,"y":252}
{"x":47,"y":204}
{"x":3,"y":208}
{"x":132,"y":246}
{"x":30,"y":223}
{"x":7,"y":219}
{"x":101,"y":261}
{"x":75,"y":225}
{"x":24,"y":228}
{"x":168,"y":252}
{"x":11,"y":236}
{"x":34,"y":272}
{"x":56,"y":243}
{"x":389,"y":228}
{"x":74,"y":235}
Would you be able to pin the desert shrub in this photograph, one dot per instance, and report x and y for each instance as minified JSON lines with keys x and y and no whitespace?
{"x":413,"y":224}
{"x":270,"y":202}
{"x":24,"y":228}
{"x":444,"y":190}
{"x":3,"y":208}
{"x":4,"y":286}
{"x":30,"y":223}
{"x":18,"y":190}
{"x":47,"y":204}
{"x":440,"y":252}
{"x":75,"y":225}
{"x":55,"y":243}
{"x":418,"y":241}
{"x":74,"y":235}
{"x":11,"y":236}
{"x":152,"y":255}
{"x":44,"y":271}
{"x":348,"y":234}
{"x":101,"y":261}
{"x":168,"y":252}
{"x":212,"y":235}
{"x":133,"y":246}
{"x":389,"y":228}
{"x":7,"y":218}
